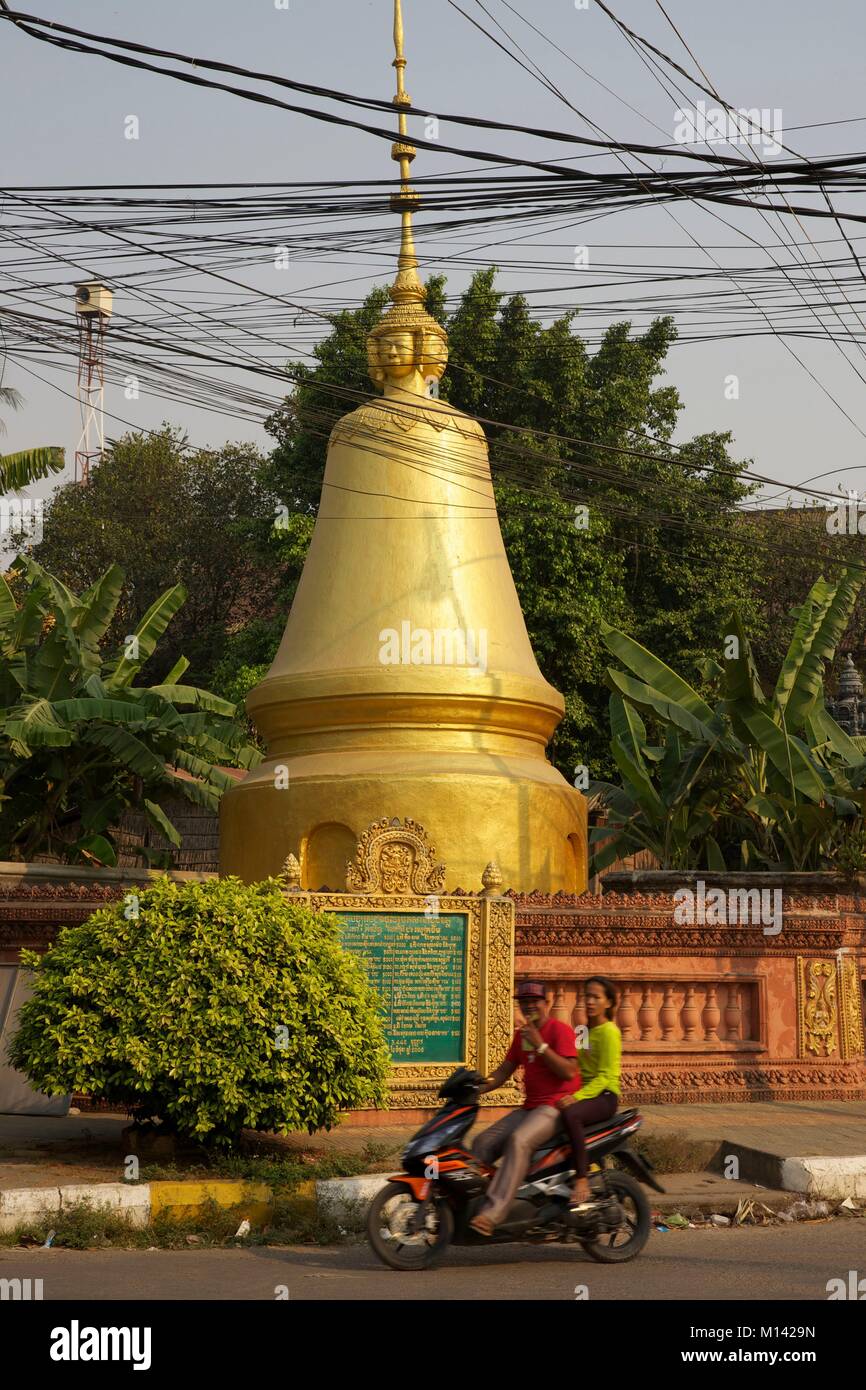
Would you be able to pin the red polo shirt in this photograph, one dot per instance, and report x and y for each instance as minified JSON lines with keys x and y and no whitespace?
{"x":540,"y":1084}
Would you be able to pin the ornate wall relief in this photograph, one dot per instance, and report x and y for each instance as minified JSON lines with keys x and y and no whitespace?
{"x":817,"y":1007}
{"x":851,"y":1008}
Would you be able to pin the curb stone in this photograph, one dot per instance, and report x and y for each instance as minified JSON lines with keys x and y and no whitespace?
{"x":825,"y":1177}
{"x":140,"y":1203}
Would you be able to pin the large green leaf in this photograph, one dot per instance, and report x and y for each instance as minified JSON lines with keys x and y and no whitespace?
{"x":833,"y":621}
{"x":113,"y":711}
{"x":24,"y":632}
{"x":199,"y":699}
{"x":53,"y":671}
{"x":8,"y":610}
{"x":98,"y":607}
{"x":626,"y":723}
{"x":96,"y":848}
{"x":28,"y":466}
{"x":203,"y":770}
{"x":637,"y":778}
{"x":128,"y":750}
{"x":648,"y":668}
{"x":177,"y":670}
{"x":199,"y":792}
{"x":146,"y":636}
{"x":670,"y":710}
{"x":35,"y":725}
{"x":741,"y":676}
{"x":787,"y":754}
{"x":617,"y":799}
{"x":157,"y":816}
{"x":61,"y":596}
{"x":808,"y":618}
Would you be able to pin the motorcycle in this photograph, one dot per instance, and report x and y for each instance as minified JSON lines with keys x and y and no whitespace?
{"x":428,"y":1206}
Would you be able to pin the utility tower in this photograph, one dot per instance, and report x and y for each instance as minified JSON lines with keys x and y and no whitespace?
{"x":92,"y":311}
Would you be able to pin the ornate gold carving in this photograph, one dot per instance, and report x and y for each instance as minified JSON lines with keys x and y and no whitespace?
{"x":817,"y":1010}
{"x":377,"y":418}
{"x":393,"y":856}
{"x":491,"y":879}
{"x":851,"y":1010}
{"x":500,"y":985}
{"x":291,"y":874}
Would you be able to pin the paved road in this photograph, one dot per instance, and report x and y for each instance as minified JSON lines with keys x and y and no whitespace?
{"x":751,"y":1263}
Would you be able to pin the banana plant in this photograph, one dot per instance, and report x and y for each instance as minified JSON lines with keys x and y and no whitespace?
{"x":28,"y":465}
{"x":754,"y":780}
{"x":80,"y":741}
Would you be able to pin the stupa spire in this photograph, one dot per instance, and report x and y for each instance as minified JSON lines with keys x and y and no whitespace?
{"x":428,"y":346}
{"x":407,"y":288}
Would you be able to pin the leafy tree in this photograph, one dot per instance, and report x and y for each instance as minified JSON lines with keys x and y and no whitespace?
{"x":217,"y":1007}
{"x":247,"y":653}
{"x":28,"y":466}
{"x":170,"y":514}
{"x":79,"y":741}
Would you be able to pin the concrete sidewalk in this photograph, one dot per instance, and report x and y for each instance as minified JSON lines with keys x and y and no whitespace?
{"x":831,"y":1129}
{"x":827,"y":1128}
{"x":812,"y":1146}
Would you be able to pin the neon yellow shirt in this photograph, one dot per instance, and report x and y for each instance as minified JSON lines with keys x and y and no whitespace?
{"x":600,"y":1062}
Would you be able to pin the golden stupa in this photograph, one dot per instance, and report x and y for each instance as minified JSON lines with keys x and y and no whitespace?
{"x":405,"y":684}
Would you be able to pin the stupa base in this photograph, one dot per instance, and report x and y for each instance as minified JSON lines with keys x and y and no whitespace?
{"x":532,"y":826}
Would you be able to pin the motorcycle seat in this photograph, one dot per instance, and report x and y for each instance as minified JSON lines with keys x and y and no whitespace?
{"x":561,"y":1134}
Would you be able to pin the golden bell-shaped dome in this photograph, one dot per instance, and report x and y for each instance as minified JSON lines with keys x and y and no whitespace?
{"x":405,"y":683}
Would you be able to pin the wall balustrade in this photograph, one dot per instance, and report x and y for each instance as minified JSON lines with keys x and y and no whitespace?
{"x":657,"y":1015}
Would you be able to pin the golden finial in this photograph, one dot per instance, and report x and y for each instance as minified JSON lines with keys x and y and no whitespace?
{"x":407,"y":294}
{"x":291,"y":874}
{"x":491,"y":879}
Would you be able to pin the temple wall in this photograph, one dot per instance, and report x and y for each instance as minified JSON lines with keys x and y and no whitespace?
{"x":708,"y":1011}
{"x":713,"y":1011}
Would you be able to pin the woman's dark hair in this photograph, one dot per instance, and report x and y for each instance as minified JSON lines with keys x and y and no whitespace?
{"x":609,"y":989}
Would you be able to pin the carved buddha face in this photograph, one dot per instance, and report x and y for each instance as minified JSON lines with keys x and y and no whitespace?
{"x":398,"y":355}
{"x":403,"y":358}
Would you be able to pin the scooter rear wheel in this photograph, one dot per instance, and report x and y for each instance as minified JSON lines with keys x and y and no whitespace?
{"x":388,"y":1219}
{"x":616,"y":1247}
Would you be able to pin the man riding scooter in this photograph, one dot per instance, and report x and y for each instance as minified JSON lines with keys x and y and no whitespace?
{"x":545,"y":1048}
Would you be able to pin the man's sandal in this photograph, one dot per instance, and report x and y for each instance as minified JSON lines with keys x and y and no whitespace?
{"x":483,"y":1225}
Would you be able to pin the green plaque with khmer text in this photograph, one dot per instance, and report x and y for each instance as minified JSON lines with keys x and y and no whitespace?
{"x":417,"y":965}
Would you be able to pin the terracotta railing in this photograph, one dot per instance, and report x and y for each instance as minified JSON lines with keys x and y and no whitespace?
{"x":657,"y":1014}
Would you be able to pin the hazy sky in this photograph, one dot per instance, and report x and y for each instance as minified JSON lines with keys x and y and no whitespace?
{"x":62,"y":118}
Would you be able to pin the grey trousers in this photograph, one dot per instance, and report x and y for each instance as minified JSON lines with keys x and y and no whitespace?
{"x":516,"y":1136}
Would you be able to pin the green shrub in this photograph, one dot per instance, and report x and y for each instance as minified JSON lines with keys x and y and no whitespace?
{"x":212,"y":1007}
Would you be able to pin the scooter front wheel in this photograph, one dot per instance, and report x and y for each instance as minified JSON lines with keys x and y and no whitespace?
{"x":391,"y":1228}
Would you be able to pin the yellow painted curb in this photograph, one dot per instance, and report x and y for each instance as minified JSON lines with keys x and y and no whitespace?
{"x":301,"y":1202}
{"x":183,"y":1200}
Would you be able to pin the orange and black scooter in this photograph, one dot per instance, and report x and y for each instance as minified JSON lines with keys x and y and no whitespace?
{"x":427,"y":1207}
